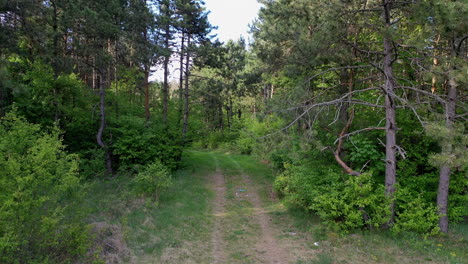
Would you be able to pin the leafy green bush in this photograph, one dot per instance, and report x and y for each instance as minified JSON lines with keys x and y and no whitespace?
{"x":135,"y":142}
{"x":365,"y":151}
{"x":280,"y":159}
{"x":415,"y":214}
{"x":300,"y":184}
{"x":340,"y":200}
{"x":252,"y":130}
{"x":40,"y":221}
{"x":216,"y":139}
{"x":92,"y":163}
{"x":43,"y":98}
{"x":154,"y":179}
{"x":344,"y":205}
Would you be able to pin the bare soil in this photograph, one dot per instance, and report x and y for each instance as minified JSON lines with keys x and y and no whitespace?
{"x":244,"y":230}
{"x":219,"y":211}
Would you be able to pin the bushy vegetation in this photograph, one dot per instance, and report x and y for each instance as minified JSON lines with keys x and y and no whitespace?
{"x":137,"y":143}
{"x":40,"y":216}
{"x":152,"y":180}
{"x":361,"y":114}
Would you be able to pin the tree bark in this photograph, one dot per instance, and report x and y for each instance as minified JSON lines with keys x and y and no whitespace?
{"x":102,"y":124}
{"x":116,"y":81}
{"x":166,"y":74}
{"x":147,"y":94}
{"x":181,"y":78}
{"x":390,"y":116}
{"x":55,"y":58}
{"x":444,"y":176}
{"x":186,"y":90}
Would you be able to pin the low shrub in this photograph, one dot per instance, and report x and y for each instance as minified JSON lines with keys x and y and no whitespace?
{"x":152,"y":180}
{"x":300,"y":184}
{"x":413,"y":213}
{"x":354,"y":203}
{"x":344,"y":202}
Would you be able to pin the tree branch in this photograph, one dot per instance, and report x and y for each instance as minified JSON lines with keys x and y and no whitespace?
{"x":356,"y":132}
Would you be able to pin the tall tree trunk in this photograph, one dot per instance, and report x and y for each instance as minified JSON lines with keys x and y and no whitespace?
{"x":94,"y":75}
{"x":186,"y":90}
{"x":166,"y":75}
{"x":181,"y":78}
{"x":220,"y":116}
{"x":444,"y":176}
{"x":116,"y":82}
{"x":390,"y":116}
{"x":55,"y":58}
{"x":230,"y":112}
{"x":102,"y":124}
{"x":147,"y":94}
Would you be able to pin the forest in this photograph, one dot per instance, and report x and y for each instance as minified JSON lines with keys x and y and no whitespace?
{"x":347,"y":118}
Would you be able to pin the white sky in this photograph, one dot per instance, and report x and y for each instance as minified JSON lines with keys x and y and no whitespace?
{"x":232,"y":17}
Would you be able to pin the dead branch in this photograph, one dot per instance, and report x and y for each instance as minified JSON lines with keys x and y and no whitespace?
{"x":343,"y":131}
{"x":358,"y":131}
{"x":327,"y":103}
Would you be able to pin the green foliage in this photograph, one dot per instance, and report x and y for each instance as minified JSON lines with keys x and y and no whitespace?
{"x":363,"y":151}
{"x":300,"y":185}
{"x":454,"y":140}
{"x":40,"y":187}
{"x":250,"y":139}
{"x":458,"y":201}
{"x":280,"y":159}
{"x":154,"y":179}
{"x":216,"y":139}
{"x":415,"y":214}
{"x":340,"y":200}
{"x":343,"y":205}
{"x":135,"y":142}
{"x":92,"y":163}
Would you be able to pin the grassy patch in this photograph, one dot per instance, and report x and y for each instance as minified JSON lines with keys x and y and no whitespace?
{"x":179,"y":228}
{"x":175,"y":229}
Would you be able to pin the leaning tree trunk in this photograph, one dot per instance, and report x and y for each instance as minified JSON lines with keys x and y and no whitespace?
{"x":444,"y":176}
{"x":390,"y":116}
{"x":102,"y":124}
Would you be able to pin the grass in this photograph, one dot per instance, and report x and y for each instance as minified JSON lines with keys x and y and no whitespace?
{"x":178,"y":229}
{"x":360,"y":246}
{"x":376,"y":246}
{"x":239,"y":231}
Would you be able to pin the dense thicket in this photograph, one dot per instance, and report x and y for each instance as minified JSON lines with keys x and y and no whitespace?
{"x":360,"y":105}
{"x":365,"y":83}
{"x":76,"y":76}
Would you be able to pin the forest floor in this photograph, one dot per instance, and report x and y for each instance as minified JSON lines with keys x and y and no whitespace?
{"x":222,"y":209}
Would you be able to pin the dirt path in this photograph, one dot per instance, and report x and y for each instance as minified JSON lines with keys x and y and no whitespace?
{"x":268,"y":247}
{"x":242,"y":229}
{"x":219,"y":211}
